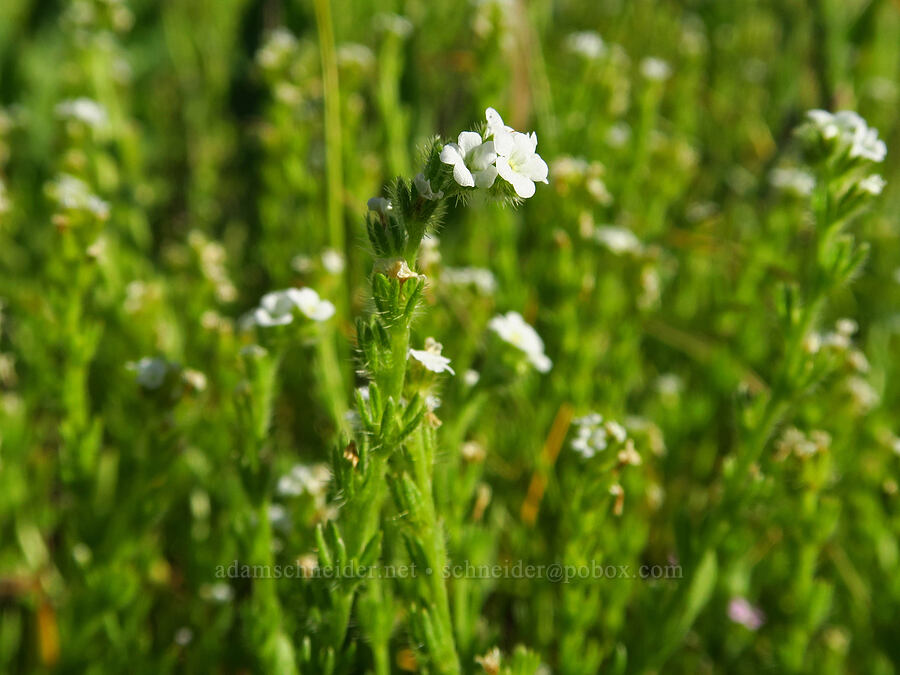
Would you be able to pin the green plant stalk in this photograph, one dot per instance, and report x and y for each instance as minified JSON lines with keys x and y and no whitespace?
{"x":431,"y":533}
{"x":332,"y":379}
{"x":334,"y":168}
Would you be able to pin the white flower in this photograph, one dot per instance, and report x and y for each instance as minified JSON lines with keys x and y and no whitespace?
{"x":357,"y":55}
{"x":495,"y":125}
{"x":616,"y":430}
{"x":84,"y":110}
{"x":873,"y":184}
{"x":852,"y":131}
{"x":472,"y":160}
{"x":394,"y":23}
{"x":73,"y":194}
{"x":277,"y":48}
{"x":311,"y":305}
{"x":793,"y":180}
{"x":275,"y":309}
{"x":518,"y":162}
{"x":480,"y":278}
{"x":655,"y":69}
{"x":587,"y":44}
{"x":589,"y":440}
{"x":380,"y":205}
{"x":332,"y":261}
{"x":423,"y":185}
{"x":511,"y":328}
{"x":431,"y":358}
{"x":617,"y":239}
{"x":471,"y":377}
{"x":302,"y":479}
{"x":150,"y":372}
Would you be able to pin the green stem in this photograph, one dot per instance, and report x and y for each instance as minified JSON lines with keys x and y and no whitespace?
{"x":334,"y":169}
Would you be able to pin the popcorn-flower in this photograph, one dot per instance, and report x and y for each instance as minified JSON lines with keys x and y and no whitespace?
{"x":517,"y":160}
{"x":511,"y":328}
{"x":277,"y":308}
{"x":472,"y":160}
{"x":431,"y":358}
{"x":873,"y":184}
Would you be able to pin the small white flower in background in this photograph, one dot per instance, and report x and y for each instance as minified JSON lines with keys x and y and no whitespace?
{"x":380,"y":205}
{"x":278,"y":515}
{"x":183,"y":636}
{"x":333,"y":261}
{"x":795,"y":181}
{"x":432,"y":402}
{"x":303,"y":479}
{"x":518,"y":162}
{"x":393,"y":23}
{"x":353,"y":54}
{"x":617,"y":239}
{"x":275,"y":309}
{"x":472,"y":160}
{"x":194,"y":379}
{"x":423,"y":185}
{"x":480,"y":278}
{"x":84,"y":110}
{"x":587,"y":44}
{"x":873,"y":184}
{"x":430,"y":253}
{"x":847,"y":327}
{"x":277,"y":49}
{"x":740,"y":611}
{"x":618,"y":134}
{"x":655,"y":69}
{"x":150,"y":372}
{"x":628,"y":456}
{"x":302,"y":263}
{"x":591,"y":437}
{"x":511,"y":328}
{"x":220,"y":592}
{"x":73,"y":194}
{"x":431,"y":358}
{"x":471,"y":377}
{"x":311,"y":305}
{"x":616,"y":430}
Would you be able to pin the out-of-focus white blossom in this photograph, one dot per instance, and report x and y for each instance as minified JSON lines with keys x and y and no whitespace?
{"x":873,"y":184}
{"x":655,"y":69}
{"x":587,"y":44}
{"x":73,"y":194}
{"x":480,"y":278}
{"x":84,"y":110}
{"x":333,"y":261}
{"x":303,"y":479}
{"x":393,"y":23}
{"x":852,"y":131}
{"x":796,"y":181}
{"x":740,"y":611}
{"x":617,"y":239}
{"x":513,"y":329}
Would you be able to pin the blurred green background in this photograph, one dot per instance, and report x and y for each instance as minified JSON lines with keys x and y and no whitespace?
{"x":240,"y":140}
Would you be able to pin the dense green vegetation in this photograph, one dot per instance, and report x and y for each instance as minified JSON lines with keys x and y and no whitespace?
{"x":238,"y":247}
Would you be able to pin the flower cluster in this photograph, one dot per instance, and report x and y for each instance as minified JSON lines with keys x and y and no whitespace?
{"x":278,"y":308}
{"x":83,"y":110}
{"x":72,"y":194}
{"x":512,"y":329}
{"x":478,"y":159}
{"x":850,"y":132}
{"x":593,"y":435}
